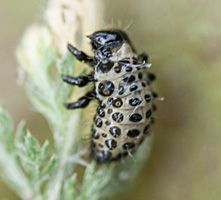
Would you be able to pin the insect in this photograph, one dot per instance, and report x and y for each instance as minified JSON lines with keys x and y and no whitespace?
{"x":122,"y":87}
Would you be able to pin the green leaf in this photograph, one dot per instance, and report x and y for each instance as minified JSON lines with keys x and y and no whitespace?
{"x":21,"y":131}
{"x":65,"y":66}
{"x":109,"y":180}
{"x":95,"y":181}
{"x":124,"y":173}
{"x":69,"y":191}
{"x":11,"y":171}
{"x":32,"y":157}
{"x":6,"y":133}
{"x":47,"y":170}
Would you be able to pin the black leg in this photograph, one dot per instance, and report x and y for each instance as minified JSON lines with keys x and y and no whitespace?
{"x":80,"y":81}
{"x":82,"y":102}
{"x":81,"y":56}
{"x":143,"y":57}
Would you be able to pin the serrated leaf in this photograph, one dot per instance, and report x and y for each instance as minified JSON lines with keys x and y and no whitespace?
{"x":45,"y":51}
{"x":11,"y":171}
{"x":31,"y":144}
{"x":43,"y":153}
{"x":21,"y":131}
{"x":35,"y":53}
{"x":32,"y":155}
{"x":46,"y":170}
{"x":95,"y":181}
{"x":69,"y":191}
{"x":65,"y":66}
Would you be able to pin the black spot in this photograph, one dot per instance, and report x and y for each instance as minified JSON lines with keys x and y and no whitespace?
{"x":123,"y":62}
{"x":109,"y":101}
{"x":104,"y":135}
{"x":118,"y":117}
{"x":129,"y":79}
{"x":133,"y":87}
{"x":104,"y":68}
{"x":140,"y":75}
{"x":133,"y":133}
{"x":101,"y":145}
{"x":99,"y":122}
{"x":107,"y":122}
{"x":120,"y":90}
{"x":100,"y":112}
{"x":106,"y":88}
{"x":117,"y":69}
{"x":138,"y":68}
{"x":143,"y":84}
{"x":101,"y":156}
{"x":147,"y":98}
{"x":148,"y":113}
{"x":117,"y":103}
{"x":102,"y":104}
{"x":95,"y":135}
{"x":115,"y":131}
{"x":135,"y":117}
{"x":154,"y":94}
{"x":135,"y":102}
{"x":109,"y":111}
{"x":146,"y":129}
{"x":129,"y":69}
{"x":128,"y":145}
{"x":111,"y":144}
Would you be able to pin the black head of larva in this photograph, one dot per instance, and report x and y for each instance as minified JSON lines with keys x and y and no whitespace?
{"x":109,"y":38}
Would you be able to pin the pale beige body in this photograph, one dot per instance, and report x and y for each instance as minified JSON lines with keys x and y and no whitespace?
{"x":98,"y":143}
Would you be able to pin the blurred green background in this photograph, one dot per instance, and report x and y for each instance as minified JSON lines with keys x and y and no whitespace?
{"x":183,"y":40}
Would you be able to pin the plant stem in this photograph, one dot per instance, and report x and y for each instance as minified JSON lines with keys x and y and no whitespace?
{"x":56,"y":183}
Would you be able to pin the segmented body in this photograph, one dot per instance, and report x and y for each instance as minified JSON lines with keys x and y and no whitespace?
{"x":124,"y":114}
{"x":122,"y":87}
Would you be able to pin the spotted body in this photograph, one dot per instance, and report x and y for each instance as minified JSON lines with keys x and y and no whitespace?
{"x":122,"y":87}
